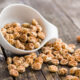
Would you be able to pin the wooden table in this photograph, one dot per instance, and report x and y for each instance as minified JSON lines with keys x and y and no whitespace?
{"x":65,"y":14}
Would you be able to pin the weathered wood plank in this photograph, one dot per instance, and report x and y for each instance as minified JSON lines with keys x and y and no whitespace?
{"x":71,"y":9}
{"x":4,"y":75}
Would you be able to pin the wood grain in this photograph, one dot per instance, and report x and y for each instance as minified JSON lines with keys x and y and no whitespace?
{"x":62,"y":13}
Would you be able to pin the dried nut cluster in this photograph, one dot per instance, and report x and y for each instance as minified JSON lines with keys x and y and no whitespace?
{"x":61,"y":53}
{"x":53,"y":53}
{"x":26,"y":36}
{"x":18,"y":65}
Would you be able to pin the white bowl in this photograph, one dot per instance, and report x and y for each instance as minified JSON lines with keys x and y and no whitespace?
{"x":22,"y":13}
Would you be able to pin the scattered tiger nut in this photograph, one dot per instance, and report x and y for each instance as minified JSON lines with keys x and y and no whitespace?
{"x":64,"y":62}
{"x":11,"y":66}
{"x":73,"y":70}
{"x":13,"y":72}
{"x":77,"y":72}
{"x":55,"y":61}
{"x":63,"y":71}
{"x":53,"y":68}
{"x":21,"y":69}
{"x":73,"y":63}
{"x":36,"y":66}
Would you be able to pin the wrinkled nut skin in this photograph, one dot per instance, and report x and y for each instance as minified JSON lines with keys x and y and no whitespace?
{"x":23,"y":38}
{"x":25,"y":64}
{"x":29,"y":61}
{"x":19,"y":45}
{"x":15,"y":58}
{"x":77,"y":72}
{"x":36,"y":66}
{"x":63,"y":71}
{"x":39,"y":59}
{"x":29,"y":46}
{"x":21,"y":69}
{"x":9,"y":60}
{"x":11,"y":66}
{"x":41,"y":35}
{"x":77,"y":57}
{"x":13,"y":72}
{"x":73,"y":70}
{"x":53,"y":68}
{"x":33,"y":55}
{"x":64,"y":62}
{"x":73,"y":63}
{"x":55,"y":61}
{"x":18,"y":62}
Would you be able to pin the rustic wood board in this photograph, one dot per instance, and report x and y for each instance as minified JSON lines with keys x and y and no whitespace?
{"x":62,"y":13}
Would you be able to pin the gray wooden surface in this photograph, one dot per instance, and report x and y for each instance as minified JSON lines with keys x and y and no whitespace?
{"x":65,"y":14}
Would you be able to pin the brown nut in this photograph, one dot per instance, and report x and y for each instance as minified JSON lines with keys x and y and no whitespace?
{"x":15,"y":24}
{"x":29,"y":46}
{"x":11,"y":41}
{"x":39,"y":59}
{"x":63,"y":71}
{"x":41,"y":35}
{"x":77,"y":72}
{"x":21,"y":69}
{"x":25,"y":64}
{"x":46,"y":58}
{"x":33,"y":55}
{"x":13,"y":72}
{"x":73,"y":63}
{"x":15,"y":58}
{"x":18,"y":62}
{"x":34,"y":22}
{"x":7,"y":26}
{"x":46,"y":50}
{"x":64,"y":62}
{"x":32,"y":33}
{"x":32,"y":39}
{"x":19,"y":45}
{"x":29,"y":61}
{"x":39,"y":28}
{"x":36,"y":45}
{"x":55,"y":61}
{"x":77,"y":57}
{"x":11,"y":66}
{"x":33,"y":28}
{"x":73,"y":70}
{"x":9,"y":60}
{"x":36,"y":66}
{"x":23,"y":38}
{"x":53,"y":68}
{"x":25,"y":25}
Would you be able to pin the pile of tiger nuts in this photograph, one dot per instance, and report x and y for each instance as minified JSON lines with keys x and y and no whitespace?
{"x":54,"y":54}
{"x":26,"y":36}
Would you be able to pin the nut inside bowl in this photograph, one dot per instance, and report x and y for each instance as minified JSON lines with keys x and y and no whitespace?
{"x":22,"y":13}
